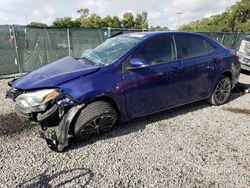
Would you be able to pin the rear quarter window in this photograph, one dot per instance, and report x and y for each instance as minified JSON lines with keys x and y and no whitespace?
{"x":210,"y":47}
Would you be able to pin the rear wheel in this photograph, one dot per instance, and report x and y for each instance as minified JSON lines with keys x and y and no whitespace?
{"x":95,"y":118}
{"x":221,"y":91}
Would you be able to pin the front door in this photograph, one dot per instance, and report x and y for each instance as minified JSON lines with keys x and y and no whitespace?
{"x":158,"y":86}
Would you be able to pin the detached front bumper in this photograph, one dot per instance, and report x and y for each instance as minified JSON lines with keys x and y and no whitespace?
{"x":55,"y":120}
{"x":57,"y":138}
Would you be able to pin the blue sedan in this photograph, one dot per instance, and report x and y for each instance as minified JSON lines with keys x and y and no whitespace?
{"x":125,"y":77}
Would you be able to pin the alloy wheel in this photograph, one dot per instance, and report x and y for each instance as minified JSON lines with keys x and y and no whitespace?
{"x":222,"y":90}
{"x":99,"y":124}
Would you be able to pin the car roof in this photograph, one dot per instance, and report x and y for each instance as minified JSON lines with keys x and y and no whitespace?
{"x":148,"y":34}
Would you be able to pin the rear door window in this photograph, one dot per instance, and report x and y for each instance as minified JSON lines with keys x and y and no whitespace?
{"x":192,"y":46}
{"x":156,"y":51}
{"x":210,"y":47}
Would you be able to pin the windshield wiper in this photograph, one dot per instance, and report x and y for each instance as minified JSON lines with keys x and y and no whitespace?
{"x":89,"y":62}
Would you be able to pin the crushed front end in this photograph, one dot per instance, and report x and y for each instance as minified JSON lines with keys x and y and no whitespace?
{"x":53,"y":109}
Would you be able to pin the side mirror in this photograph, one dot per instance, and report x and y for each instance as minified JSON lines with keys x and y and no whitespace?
{"x":136,"y":63}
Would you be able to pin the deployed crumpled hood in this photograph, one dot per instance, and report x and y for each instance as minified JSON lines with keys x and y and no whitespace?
{"x":54,"y":74}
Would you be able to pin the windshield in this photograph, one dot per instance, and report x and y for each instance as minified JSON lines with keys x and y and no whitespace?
{"x":109,"y":51}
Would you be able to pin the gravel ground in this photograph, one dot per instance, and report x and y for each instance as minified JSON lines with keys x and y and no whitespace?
{"x":192,"y":146}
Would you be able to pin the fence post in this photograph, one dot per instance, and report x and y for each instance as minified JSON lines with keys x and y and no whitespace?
{"x":109,"y":32}
{"x":236,"y":41}
{"x":16,"y":49}
{"x":68,"y":36}
{"x":222,"y":40}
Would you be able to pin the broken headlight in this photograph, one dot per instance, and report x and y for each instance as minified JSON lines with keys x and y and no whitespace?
{"x":36,"y":101}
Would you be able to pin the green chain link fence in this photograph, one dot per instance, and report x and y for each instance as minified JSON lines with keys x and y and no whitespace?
{"x":229,"y":40}
{"x":23,"y":48}
{"x":8,"y":55}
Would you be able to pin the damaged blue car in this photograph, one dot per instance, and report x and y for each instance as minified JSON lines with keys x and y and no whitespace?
{"x":126,"y":77}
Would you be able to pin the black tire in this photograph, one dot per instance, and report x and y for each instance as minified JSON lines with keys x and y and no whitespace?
{"x":221,"y":91}
{"x":86,"y":125}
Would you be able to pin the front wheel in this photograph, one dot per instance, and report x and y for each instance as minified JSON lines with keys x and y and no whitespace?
{"x":95,"y":118}
{"x":221,"y":91}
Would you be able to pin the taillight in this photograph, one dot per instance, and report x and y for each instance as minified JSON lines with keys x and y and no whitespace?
{"x":236,"y":57}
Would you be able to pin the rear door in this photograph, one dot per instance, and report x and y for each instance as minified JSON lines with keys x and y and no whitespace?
{"x":199,"y":66}
{"x":158,"y":86}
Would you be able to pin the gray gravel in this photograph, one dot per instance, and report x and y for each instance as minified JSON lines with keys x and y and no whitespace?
{"x":192,"y":146}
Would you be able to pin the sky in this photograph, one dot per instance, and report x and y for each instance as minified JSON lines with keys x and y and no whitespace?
{"x":160,"y":12}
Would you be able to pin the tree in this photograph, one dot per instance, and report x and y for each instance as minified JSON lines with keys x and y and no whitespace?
{"x":128,"y":20}
{"x":84,"y":14}
{"x":65,"y":22}
{"x":37,"y":24}
{"x":94,"y":21}
{"x":87,"y":20}
{"x":141,"y":20}
{"x":138,"y":21}
{"x":240,"y":13}
{"x":107,"y":21}
{"x":187,"y":27}
{"x":144,"y":22}
{"x":159,"y":28}
{"x":116,"y":22}
{"x":235,"y":19}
